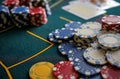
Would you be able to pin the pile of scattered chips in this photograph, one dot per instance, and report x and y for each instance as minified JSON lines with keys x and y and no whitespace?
{"x":92,"y":53}
{"x":22,"y":13}
{"x":89,"y":47}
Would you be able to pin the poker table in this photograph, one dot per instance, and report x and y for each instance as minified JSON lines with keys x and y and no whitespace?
{"x":22,"y":48}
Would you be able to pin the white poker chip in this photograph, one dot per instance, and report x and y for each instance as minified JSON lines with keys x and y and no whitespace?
{"x":92,"y":25}
{"x":95,"y":56}
{"x":86,"y":32}
{"x":109,"y":40}
{"x":113,"y":58}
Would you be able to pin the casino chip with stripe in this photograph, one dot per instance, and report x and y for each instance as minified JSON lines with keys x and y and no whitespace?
{"x":41,"y":70}
{"x":113,"y":58}
{"x":52,"y":38}
{"x":73,"y":25}
{"x":92,"y":25}
{"x":64,"y":33}
{"x":109,"y":41}
{"x":86,"y":32}
{"x":64,"y":48}
{"x":95,"y":56}
{"x":80,"y":65}
{"x":110,"y":72}
{"x":65,"y":70}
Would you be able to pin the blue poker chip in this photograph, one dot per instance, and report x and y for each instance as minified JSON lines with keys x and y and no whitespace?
{"x":64,"y":33}
{"x":4,"y":9}
{"x":64,"y":48}
{"x":20,"y":10}
{"x":98,"y":76}
{"x":80,"y":65}
{"x":73,"y":25}
{"x":52,"y":38}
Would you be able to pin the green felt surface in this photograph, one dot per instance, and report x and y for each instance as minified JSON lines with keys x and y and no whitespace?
{"x":17,"y":45}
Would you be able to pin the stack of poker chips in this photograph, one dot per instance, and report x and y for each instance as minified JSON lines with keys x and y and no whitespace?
{"x":43,"y":3}
{"x":20,"y":16}
{"x":109,"y":41}
{"x":5,"y":20}
{"x":86,"y":34}
{"x":64,"y":34}
{"x":24,"y":13}
{"x":111,"y":23}
{"x":37,"y":16}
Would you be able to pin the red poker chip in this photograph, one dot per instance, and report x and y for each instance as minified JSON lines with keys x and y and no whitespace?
{"x":38,"y":10}
{"x":8,"y":2}
{"x":65,"y":70}
{"x":111,"y":19}
{"x":110,"y":72}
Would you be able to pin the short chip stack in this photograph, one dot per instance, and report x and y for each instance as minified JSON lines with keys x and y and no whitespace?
{"x":111,"y":23}
{"x":109,"y":41}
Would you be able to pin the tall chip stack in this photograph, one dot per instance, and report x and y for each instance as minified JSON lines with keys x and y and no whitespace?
{"x":5,"y":21}
{"x":41,"y":3}
{"x":37,"y":16}
{"x":11,"y":3}
{"x":22,"y":13}
{"x":20,"y":16}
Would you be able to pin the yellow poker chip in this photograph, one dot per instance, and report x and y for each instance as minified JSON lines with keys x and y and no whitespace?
{"x":41,"y":70}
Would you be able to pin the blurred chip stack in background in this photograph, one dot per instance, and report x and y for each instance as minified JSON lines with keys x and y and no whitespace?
{"x":24,"y":13}
{"x":24,"y":2}
{"x":111,"y":23}
{"x":20,"y":15}
{"x":5,"y":21}
{"x":11,"y":3}
{"x":41,"y":3}
{"x":37,"y":16}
